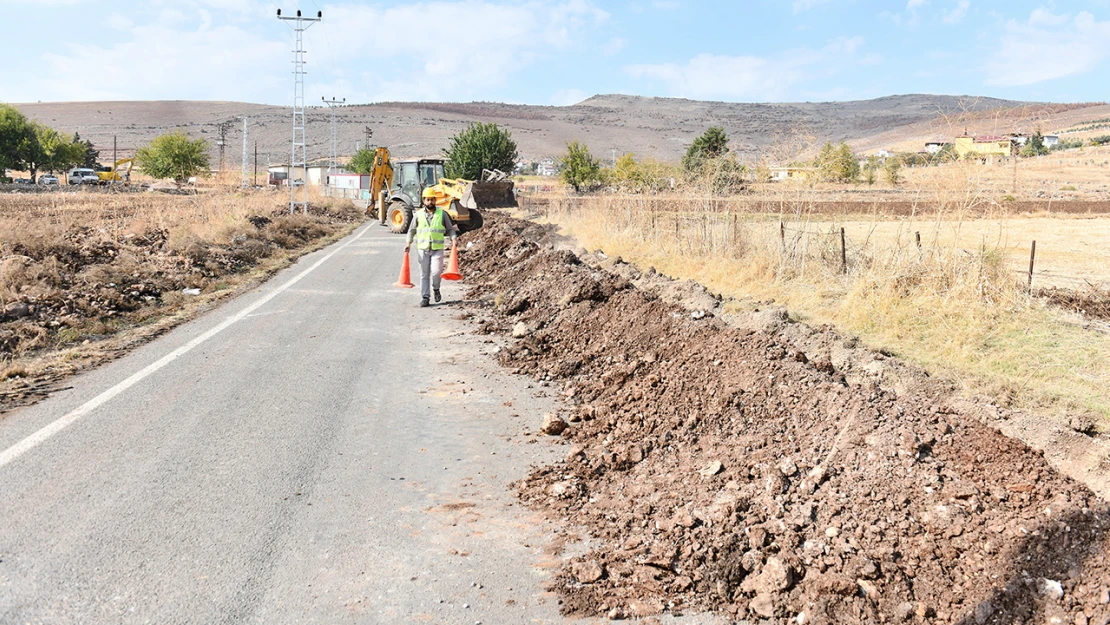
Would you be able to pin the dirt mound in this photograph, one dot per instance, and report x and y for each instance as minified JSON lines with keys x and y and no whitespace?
{"x":722,"y":468}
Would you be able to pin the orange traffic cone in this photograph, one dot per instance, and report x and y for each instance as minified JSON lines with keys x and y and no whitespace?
{"x":452,"y":272}
{"x":404,"y":281}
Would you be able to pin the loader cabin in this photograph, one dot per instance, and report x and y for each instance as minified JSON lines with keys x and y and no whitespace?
{"x":413,"y":176}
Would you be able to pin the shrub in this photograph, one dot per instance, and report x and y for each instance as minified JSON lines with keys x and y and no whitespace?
{"x":174,"y":156}
{"x":579,"y":168}
{"x":480,"y":146}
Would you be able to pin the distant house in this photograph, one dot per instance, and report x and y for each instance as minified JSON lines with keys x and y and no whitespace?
{"x":792,"y":173}
{"x":317,"y":174}
{"x":884,"y":153}
{"x":1051,"y":140}
{"x":547,"y":167}
{"x":985,"y":145}
{"x":932,"y":147}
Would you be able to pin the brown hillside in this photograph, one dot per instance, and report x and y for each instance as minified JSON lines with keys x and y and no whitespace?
{"x":654,"y":127}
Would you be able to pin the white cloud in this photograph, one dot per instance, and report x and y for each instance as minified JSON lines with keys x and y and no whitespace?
{"x":614,"y":45}
{"x":491,"y":42}
{"x":1046,"y":47}
{"x":216,"y":49}
{"x":915,"y":4}
{"x":163,"y":60}
{"x":709,"y":76}
{"x":566,"y":97}
{"x":118,"y":22}
{"x":957,"y":14}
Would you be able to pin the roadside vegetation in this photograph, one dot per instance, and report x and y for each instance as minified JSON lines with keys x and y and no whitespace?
{"x":942,"y":284}
{"x":82,"y":274}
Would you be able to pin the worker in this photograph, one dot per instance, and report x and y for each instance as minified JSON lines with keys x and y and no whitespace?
{"x":430,"y":228}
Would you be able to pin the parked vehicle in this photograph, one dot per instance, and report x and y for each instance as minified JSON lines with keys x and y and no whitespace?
{"x":48,"y":179}
{"x":82,"y":175}
{"x":22,"y":181}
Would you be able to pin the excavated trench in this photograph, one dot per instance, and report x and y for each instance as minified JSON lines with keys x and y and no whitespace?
{"x":719,"y":466}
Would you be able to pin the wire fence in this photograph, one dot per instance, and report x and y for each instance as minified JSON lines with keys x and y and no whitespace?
{"x":800,"y":242}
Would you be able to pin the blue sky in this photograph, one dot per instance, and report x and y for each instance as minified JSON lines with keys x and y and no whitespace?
{"x":558,"y":51}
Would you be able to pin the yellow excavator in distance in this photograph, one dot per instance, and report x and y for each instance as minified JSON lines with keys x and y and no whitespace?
{"x":395,"y":191}
{"x":113,"y":174}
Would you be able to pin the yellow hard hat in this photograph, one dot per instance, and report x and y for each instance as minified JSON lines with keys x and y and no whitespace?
{"x":428,"y":192}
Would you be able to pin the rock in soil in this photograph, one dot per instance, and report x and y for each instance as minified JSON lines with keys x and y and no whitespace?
{"x":836,"y":498}
{"x":553,"y":425}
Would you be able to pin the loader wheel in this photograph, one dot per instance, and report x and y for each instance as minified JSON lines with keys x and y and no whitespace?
{"x":400,"y":215}
{"x":474,"y":223}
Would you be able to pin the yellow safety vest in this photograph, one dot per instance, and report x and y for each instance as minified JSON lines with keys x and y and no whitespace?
{"x":429,"y":233}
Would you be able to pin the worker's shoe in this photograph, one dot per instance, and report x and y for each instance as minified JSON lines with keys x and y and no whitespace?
{"x":438,"y":296}
{"x":424,"y":302}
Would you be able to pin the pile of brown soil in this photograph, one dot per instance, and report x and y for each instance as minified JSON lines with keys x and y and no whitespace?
{"x":719,"y":468}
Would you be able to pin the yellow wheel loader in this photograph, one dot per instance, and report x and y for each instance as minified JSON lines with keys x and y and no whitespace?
{"x":396,"y":190}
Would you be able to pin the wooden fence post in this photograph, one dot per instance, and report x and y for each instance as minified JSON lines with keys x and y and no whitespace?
{"x":1032,"y":257}
{"x":917,"y":237}
{"x":843,"y":252}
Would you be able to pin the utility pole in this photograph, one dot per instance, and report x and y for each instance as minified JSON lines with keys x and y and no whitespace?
{"x":244,"y":182}
{"x":368,"y":132}
{"x":255,"y":182}
{"x":115,"y":160}
{"x":332,"y":162}
{"x":299,"y":155}
{"x":222,"y":128}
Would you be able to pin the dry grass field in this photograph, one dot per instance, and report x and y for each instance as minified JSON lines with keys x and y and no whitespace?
{"x":86,"y":274}
{"x":958,"y":304}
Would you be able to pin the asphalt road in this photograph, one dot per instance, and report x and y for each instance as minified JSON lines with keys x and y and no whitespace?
{"x":319,"y":450}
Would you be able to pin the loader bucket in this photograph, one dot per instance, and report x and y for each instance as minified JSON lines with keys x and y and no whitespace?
{"x":481,"y":195}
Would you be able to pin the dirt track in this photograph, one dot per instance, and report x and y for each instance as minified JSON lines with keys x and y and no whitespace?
{"x":722,"y":468}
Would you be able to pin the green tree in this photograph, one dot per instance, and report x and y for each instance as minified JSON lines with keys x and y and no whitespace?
{"x":713,"y":143}
{"x":579,"y":167}
{"x":1035,"y":145}
{"x":91,"y":155}
{"x":480,"y":146}
{"x":174,"y":156}
{"x":893,"y":170}
{"x":362,"y":162}
{"x":17,"y":139}
{"x":54,"y":152}
{"x":870,"y":170}
{"x":838,"y":164}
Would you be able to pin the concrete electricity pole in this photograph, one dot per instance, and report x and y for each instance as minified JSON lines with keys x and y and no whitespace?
{"x":299,"y":157}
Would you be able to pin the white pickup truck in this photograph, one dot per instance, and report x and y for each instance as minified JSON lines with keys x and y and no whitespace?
{"x":82,"y":175}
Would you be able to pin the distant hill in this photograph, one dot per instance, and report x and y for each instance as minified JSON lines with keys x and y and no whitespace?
{"x":655,"y":127}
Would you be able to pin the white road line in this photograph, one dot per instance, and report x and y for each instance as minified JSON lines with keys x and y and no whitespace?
{"x":73,"y":416}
